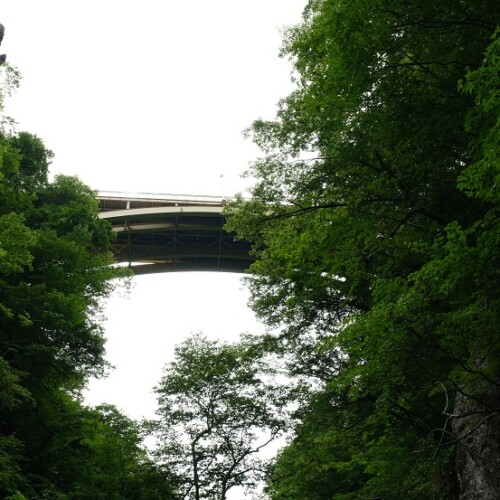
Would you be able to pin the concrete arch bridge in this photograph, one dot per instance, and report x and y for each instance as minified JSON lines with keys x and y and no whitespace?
{"x":163,"y":233}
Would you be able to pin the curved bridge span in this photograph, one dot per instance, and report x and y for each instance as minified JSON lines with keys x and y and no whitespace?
{"x":163,"y":233}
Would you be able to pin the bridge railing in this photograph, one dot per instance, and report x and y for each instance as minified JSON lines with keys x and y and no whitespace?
{"x":118,"y":200}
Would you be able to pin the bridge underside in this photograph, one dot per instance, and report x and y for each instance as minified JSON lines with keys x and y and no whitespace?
{"x":166,"y":237}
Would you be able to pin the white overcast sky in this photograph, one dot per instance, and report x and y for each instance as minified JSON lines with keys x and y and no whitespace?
{"x":151,"y":96}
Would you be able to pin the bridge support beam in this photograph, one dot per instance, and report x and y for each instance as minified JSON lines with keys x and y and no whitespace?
{"x":173,"y":233}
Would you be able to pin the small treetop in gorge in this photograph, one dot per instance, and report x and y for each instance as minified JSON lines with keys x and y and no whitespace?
{"x":218,"y":407}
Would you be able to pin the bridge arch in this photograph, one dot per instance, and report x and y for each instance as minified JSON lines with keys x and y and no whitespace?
{"x":165,"y":233}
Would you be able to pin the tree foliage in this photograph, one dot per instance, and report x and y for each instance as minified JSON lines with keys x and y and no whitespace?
{"x":217,"y":410}
{"x":374,"y":221}
{"x":54,"y":272}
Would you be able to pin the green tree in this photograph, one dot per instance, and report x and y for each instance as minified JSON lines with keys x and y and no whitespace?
{"x":374,"y":221}
{"x":218,"y":408}
{"x":55,"y":269}
{"x":54,"y":272}
{"x":117,"y":466}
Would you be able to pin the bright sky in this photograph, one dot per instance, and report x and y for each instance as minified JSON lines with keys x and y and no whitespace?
{"x":151,"y":96}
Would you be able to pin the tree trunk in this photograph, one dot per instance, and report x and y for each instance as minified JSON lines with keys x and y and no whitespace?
{"x":478,"y":452}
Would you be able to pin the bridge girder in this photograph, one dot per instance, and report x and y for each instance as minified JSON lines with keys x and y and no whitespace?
{"x":165,"y":233}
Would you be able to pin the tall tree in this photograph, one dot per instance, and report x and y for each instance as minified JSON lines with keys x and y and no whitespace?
{"x":217,"y":411}
{"x":54,"y":271}
{"x":374,"y":225}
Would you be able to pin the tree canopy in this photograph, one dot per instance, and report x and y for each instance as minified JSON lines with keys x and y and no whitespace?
{"x":219,"y":406}
{"x":374,"y":221}
{"x":54,"y":272}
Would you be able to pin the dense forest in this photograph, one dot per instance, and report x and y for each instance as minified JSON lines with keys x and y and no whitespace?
{"x":375,"y":231}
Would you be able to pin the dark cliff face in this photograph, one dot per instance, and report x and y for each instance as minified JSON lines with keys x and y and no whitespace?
{"x":477,"y":428}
